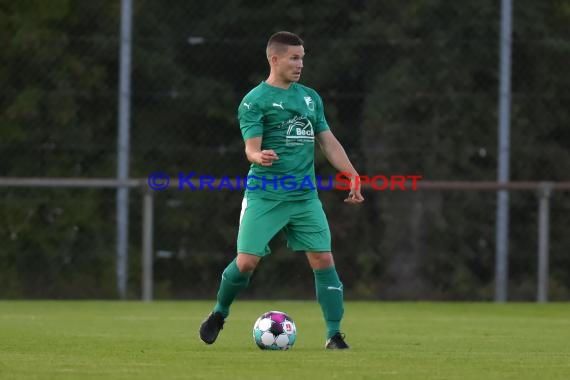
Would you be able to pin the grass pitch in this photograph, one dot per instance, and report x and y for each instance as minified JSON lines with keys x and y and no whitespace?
{"x":158,"y":340}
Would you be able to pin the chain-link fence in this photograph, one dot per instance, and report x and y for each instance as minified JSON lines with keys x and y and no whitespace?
{"x":408,"y":89}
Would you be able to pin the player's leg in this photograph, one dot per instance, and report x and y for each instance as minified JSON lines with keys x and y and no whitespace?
{"x":330,"y":296}
{"x":235,"y":278}
{"x":309,"y":231}
{"x":259,"y":222}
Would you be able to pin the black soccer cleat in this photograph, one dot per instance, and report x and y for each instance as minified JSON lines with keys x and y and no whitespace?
{"x":336,"y":342}
{"x":210,"y":328}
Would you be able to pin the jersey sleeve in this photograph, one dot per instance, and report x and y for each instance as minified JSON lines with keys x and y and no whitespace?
{"x":250,"y":119}
{"x":322,"y":124}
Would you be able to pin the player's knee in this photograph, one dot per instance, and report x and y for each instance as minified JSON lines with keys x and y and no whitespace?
{"x":319,"y":260}
{"x":247,"y":263}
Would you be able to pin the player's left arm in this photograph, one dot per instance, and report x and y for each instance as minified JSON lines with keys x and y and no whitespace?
{"x":336,"y":155}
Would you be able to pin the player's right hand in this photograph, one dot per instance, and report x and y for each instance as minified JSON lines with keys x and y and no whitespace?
{"x":267,"y":157}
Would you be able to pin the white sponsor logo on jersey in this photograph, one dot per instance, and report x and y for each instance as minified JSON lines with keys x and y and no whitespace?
{"x":299,"y":131}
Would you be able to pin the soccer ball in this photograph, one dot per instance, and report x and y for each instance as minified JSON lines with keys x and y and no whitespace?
{"x":274,"y":330}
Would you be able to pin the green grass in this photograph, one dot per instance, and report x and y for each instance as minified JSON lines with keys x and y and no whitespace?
{"x":135,"y":340}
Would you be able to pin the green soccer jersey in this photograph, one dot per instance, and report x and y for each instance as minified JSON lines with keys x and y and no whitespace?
{"x":288,"y":121}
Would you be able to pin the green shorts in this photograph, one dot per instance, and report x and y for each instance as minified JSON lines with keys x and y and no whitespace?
{"x":304,"y":223}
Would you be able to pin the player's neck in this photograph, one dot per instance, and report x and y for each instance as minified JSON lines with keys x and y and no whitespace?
{"x":275,"y":81}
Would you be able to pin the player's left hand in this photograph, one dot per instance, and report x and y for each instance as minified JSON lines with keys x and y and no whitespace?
{"x":354,"y":197}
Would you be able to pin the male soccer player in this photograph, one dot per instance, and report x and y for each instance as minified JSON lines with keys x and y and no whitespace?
{"x":280,"y":120}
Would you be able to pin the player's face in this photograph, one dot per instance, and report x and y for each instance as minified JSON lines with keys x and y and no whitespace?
{"x":291,"y":63}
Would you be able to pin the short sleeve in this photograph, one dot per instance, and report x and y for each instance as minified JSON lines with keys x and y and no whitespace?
{"x":321,"y":124}
{"x":250,"y":119}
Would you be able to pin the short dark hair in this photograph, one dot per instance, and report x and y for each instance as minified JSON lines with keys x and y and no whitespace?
{"x":285,"y":38}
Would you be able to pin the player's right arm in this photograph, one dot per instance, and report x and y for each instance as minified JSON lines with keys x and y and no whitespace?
{"x":257,"y":156}
{"x":250,"y":118}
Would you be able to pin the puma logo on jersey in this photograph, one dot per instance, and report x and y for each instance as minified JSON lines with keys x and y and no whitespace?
{"x":335,"y":288}
{"x":247,"y":105}
{"x":278,"y":105}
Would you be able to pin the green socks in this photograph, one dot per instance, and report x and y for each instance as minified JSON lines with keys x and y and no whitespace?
{"x":330,"y":297}
{"x":233,"y":282}
{"x":327,"y":284}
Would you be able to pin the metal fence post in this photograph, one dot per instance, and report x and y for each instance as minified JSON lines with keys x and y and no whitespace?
{"x":543,"y":240}
{"x":123,"y":147}
{"x":147,"y":244}
{"x":502,"y":223}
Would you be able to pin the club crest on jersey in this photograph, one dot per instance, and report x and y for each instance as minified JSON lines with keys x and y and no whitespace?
{"x":310,"y":103}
